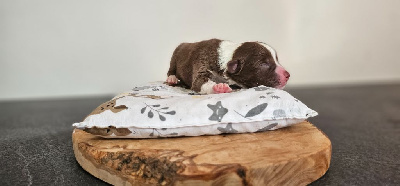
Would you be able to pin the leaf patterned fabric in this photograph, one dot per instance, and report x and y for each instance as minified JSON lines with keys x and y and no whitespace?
{"x":159,"y":110}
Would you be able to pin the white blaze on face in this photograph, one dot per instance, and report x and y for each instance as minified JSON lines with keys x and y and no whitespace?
{"x":225,"y":52}
{"x":273,"y":53}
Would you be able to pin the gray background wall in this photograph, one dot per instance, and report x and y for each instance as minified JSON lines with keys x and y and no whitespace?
{"x":51,"y":48}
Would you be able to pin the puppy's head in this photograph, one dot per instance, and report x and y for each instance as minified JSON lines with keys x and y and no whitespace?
{"x":254,"y":64}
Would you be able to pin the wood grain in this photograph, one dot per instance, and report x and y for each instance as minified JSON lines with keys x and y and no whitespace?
{"x":295,"y":155}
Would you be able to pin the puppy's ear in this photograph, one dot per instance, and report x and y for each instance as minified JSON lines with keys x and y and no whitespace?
{"x":234,"y":66}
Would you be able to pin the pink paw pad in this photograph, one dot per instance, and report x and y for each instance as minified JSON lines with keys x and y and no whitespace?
{"x":172,"y":80}
{"x":222,"y":88}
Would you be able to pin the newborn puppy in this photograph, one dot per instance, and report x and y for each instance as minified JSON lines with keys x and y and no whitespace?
{"x":212,"y":66}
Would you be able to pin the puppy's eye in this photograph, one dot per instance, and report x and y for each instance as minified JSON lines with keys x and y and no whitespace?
{"x":265,"y":65}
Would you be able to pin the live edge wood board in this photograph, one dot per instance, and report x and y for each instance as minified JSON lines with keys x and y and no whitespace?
{"x":295,"y":155}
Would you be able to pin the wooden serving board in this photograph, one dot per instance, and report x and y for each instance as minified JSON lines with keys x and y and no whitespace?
{"x":295,"y":155}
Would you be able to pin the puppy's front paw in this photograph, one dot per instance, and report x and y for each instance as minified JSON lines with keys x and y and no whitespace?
{"x":172,"y":80}
{"x":221,"y":88}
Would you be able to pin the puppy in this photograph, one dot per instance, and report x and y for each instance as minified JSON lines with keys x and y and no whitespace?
{"x":212,"y":66}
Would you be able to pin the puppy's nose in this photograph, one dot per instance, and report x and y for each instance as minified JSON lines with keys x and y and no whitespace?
{"x":286,"y":74}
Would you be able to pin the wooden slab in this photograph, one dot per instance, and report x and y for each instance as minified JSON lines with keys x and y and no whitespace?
{"x":295,"y":155}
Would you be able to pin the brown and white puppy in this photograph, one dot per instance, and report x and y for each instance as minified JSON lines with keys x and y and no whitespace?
{"x":211,"y":66}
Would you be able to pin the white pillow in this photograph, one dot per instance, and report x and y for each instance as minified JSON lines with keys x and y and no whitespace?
{"x":159,"y":110}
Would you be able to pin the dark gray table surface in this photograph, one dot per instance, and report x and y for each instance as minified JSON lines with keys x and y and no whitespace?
{"x":361,"y":121}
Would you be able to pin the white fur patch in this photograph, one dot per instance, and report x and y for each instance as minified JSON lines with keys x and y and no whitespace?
{"x":225,"y":52}
{"x":207,"y":88}
{"x":273,"y":53}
